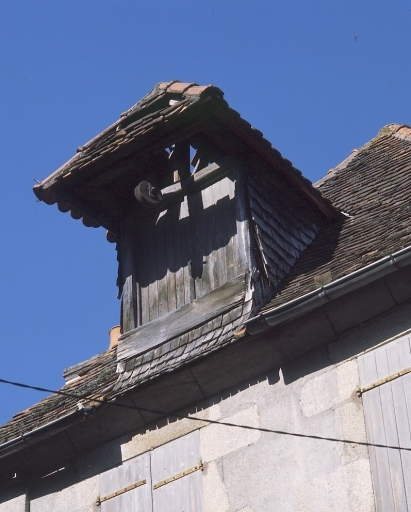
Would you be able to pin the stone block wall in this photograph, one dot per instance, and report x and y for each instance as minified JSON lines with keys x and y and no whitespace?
{"x":255,"y":469}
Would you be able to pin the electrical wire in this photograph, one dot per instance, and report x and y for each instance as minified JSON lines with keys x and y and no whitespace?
{"x":212,"y":422}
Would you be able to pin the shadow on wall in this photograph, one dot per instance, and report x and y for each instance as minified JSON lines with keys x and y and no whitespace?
{"x":350,"y":344}
{"x":172,"y":241}
{"x":109,"y":455}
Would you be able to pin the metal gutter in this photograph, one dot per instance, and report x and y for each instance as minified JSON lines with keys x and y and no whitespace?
{"x":313,"y":300}
{"x":45,"y":431}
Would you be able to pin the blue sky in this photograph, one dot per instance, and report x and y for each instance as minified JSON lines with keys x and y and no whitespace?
{"x":294,"y":69}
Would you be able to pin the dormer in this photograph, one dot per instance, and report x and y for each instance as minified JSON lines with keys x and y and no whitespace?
{"x":203,"y":209}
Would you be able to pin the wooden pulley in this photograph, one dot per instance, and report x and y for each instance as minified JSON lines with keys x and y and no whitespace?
{"x":148,"y":195}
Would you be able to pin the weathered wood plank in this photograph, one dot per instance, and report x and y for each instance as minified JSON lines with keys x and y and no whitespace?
{"x":391,"y":434}
{"x":225,"y":232}
{"x":180,"y":161}
{"x":214,"y":257}
{"x":183,"y":494}
{"x":219,"y":249}
{"x":182,"y":257}
{"x":151,"y":270}
{"x":180,"y":254}
{"x":388,"y":421}
{"x":230,"y":228}
{"x":197,"y":220}
{"x":145,"y":300}
{"x":376,"y":435}
{"x":170,"y":249}
{"x":161,"y":258}
{"x":382,"y":459}
{"x":372,"y":450}
{"x":207,"y":236}
{"x":138,"y":264}
{"x":187,"y":231}
{"x":128,"y":320}
{"x":241,"y":215}
{"x":153,"y":334}
{"x":196,"y":181}
{"x":130,"y":472}
{"x":178,"y":455}
{"x":399,"y":357}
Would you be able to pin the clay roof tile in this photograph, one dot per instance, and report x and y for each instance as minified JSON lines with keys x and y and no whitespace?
{"x":179,"y":87}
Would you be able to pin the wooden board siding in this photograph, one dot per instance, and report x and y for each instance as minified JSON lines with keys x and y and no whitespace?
{"x":183,"y":494}
{"x":129,"y":295}
{"x":387,"y":410}
{"x":186,"y":251}
{"x":282,"y":231}
{"x":162,"y":487}
{"x":183,"y":349}
{"x":129,"y":473}
{"x":184,"y":320}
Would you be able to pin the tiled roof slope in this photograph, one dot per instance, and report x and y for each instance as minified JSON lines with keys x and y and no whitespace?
{"x":373,"y":187}
{"x":140,"y":119}
{"x":95,"y":379}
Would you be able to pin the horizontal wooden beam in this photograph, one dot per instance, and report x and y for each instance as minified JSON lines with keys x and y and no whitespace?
{"x":169,"y":326}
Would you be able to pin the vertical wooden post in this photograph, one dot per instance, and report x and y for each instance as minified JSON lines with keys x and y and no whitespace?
{"x":129,"y":298}
{"x":180,"y":160}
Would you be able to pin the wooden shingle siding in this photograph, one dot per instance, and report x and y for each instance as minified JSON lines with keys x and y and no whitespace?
{"x":186,"y":251}
{"x":187,"y":347}
{"x":387,"y":410}
{"x":282,"y":231}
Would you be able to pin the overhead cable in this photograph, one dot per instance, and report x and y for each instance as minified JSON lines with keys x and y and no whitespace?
{"x":193,"y":418}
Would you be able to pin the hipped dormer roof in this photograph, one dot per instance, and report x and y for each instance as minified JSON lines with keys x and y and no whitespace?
{"x":170,"y":112}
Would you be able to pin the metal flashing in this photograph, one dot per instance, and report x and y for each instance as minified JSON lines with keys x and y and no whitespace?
{"x":313,"y":300}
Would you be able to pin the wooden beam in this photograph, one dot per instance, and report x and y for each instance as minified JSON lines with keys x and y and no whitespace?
{"x":180,"y":161}
{"x":171,"y":325}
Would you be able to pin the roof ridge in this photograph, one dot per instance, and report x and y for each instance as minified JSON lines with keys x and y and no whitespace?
{"x":402,"y":131}
{"x":187,"y":88}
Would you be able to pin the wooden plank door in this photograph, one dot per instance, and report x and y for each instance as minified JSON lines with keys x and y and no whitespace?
{"x":387,"y":410}
{"x":127,"y":487}
{"x":176,"y":474}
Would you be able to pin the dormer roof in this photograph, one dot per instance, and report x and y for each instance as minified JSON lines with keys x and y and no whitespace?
{"x":117,"y":156}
